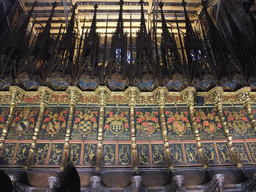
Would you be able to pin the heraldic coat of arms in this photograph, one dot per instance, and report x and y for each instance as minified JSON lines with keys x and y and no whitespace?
{"x":178,"y":122}
{"x":54,"y":121}
{"x":85,"y":121}
{"x":147,"y":122}
{"x":24,"y":120}
{"x":116,"y":122}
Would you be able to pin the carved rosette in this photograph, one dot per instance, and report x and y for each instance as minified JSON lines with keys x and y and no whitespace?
{"x":216,"y":96}
{"x":132,"y":93}
{"x":188,"y":95}
{"x":16,"y":96}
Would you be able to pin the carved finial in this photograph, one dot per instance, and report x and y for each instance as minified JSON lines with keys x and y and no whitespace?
{"x":141,"y":2}
{"x":121,"y":2}
{"x":74,"y":94}
{"x":183,"y":3}
{"x":54,"y":4}
{"x":95,"y":6}
{"x":161,"y":4}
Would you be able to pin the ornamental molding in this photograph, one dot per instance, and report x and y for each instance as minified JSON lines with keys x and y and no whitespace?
{"x":243,"y":95}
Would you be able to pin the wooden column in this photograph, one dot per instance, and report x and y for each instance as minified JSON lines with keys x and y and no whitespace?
{"x":74,"y":94}
{"x":17,"y":95}
{"x":160,"y":95}
{"x":189,"y":97}
{"x":132,"y":94}
{"x":44,"y":95}
{"x":216,"y":96}
{"x":103,"y":94}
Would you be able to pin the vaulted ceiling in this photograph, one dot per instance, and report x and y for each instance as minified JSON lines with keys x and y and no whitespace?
{"x":108,"y":11}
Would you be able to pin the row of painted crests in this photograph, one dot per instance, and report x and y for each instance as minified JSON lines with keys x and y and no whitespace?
{"x":116,"y":125}
{"x":119,"y":154}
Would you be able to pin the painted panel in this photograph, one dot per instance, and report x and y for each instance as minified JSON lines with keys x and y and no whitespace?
{"x":22,"y":154}
{"x":4,"y":112}
{"x":252,"y":149}
{"x":176,"y":154}
{"x":85,"y":123}
{"x":147,"y":123}
{"x":7,"y":154}
{"x":238,"y":123}
{"x":210,"y":153}
{"x":143,"y":155}
{"x":56,"y":153}
{"x":74,"y":153}
{"x":54,"y":123}
{"x":178,"y":124}
{"x":23,"y":123}
{"x":209,"y":124}
{"x":224,"y":153}
{"x":158,"y":156}
{"x":241,"y":152}
{"x":191,"y":152}
{"x":41,"y":153}
{"x":108,"y":154}
{"x":116,"y":124}
{"x":124,"y":154}
{"x":89,"y":157}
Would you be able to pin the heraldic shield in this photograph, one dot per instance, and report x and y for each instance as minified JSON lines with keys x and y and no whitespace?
{"x":22,"y":126}
{"x":179,"y":127}
{"x":116,"y":127}
{"x":239,"y":126}
{"x":85,"y":127}
{"x":53,"y":127}
{"x":148,"y":127}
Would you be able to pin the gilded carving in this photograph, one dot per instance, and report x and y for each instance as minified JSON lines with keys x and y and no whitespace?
{"x":124,"y":155}
{"x":252,"y":149}
{"x":41,"y":154}
{"x":143,"y":154}
{"x":242,"y":153}
{"x":74,"y":153}
{"x":176,"y":153}
{"x":191,"y":153}
{"x":158,"y":154}
{"x":224,"y":153}
{"x":22,"y":153}
{"x":8,"y":152}
{"x":108,"y":154}
{"x":56,"y":154}
{"x":89,"y":154}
